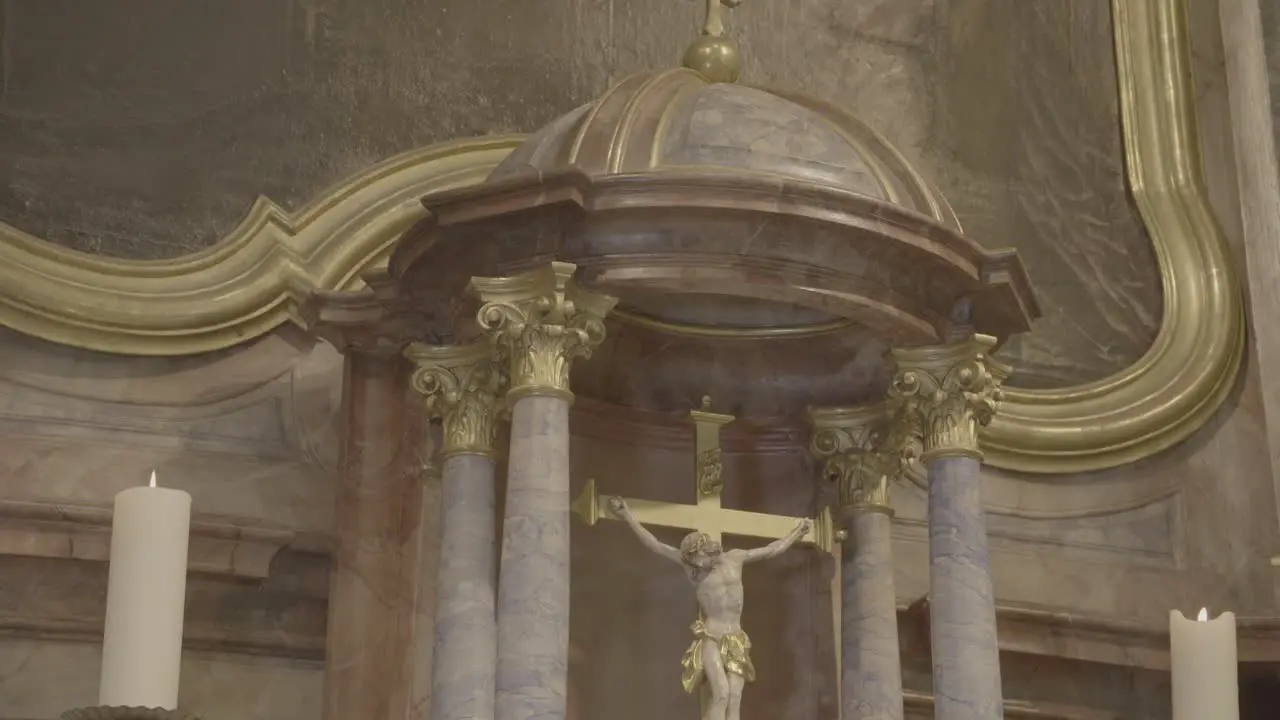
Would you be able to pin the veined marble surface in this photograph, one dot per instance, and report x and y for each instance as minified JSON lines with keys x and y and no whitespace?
{"x":39,"y":680}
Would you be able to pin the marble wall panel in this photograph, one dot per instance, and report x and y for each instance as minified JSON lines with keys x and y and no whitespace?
{"x":40,"y":679}
{"x":281,"y":616}
{"x":1146,"y":535}
{"x":1063,"y":691}
{"x":246,"y":431}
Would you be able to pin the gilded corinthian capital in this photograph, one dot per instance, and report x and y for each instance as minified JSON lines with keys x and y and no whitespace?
{"x":461,"y":385}
{"x":864,"y":450}
{"x":950,"y":391}
{"x":540,"y":321}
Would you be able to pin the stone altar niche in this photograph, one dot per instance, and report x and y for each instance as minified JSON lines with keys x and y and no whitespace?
{"x":762,"y":247}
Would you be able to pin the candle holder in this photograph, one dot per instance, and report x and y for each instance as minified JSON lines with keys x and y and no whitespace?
{"x":125,"y":713}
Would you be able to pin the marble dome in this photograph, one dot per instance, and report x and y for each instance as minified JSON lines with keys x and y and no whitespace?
{"x":764,"y":247}
{"x":677,"y":120}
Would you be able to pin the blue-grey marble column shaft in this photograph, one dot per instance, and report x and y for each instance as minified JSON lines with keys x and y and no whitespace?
{"x":951,"y":392}
{"x":461,"y":386}
{"x":871,"y":666}
{"x":533,"y":588}
{"x":466,"y":629}
{"x":866,"y":450}
{"x":540,"y":321}
{"x":962,"y":611}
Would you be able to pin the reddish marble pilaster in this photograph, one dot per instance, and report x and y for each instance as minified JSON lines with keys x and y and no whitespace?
{"x":378,"y":544}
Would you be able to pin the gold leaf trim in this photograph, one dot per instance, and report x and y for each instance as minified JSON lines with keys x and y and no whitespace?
{"x":865,"y":450}
{"x":540,"y":322}
{"x":1184,"y":377}
{"x":461,"y":385}
{"x":251,"y":282}
{"x":951,"y":392}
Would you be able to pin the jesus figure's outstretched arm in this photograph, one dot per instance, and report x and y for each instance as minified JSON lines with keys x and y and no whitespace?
{"x":619,"y":507}
{"x":777,"y":547}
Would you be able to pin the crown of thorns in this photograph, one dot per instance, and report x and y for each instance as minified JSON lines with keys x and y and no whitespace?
{"x":694,"y":543}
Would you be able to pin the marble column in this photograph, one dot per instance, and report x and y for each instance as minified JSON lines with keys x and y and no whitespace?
{"x":949,"y":392}
{"x":369,"y":650}
{"x":461,"y":387}
{"x":864,"y":451}
{"x":539,"y":321}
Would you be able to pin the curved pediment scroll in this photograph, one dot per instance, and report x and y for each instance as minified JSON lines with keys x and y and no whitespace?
{"x":254,"y":280}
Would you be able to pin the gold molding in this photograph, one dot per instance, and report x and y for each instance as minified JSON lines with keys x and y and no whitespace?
{"x":864,"y":449}
{"x":1191,"y":367}
{"x":252,"y":281}
{"x":949,"y":392}
{"x":461,"y":385}
{"x":539,"y":322}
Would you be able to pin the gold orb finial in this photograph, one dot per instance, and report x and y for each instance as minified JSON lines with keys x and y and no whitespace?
{"x":715,"y":57}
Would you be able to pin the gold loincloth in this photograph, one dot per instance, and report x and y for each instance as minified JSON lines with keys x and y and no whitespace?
{"x":735,"y":655}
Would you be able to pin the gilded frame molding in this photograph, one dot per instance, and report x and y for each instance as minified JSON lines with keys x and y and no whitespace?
{"x":255,"y":279}
{"x":1191,"y":367}
{"x":251,"y":282}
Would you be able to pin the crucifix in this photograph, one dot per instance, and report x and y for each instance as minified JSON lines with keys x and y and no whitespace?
{"x":718,"y":661}
{"x":706,"y":515}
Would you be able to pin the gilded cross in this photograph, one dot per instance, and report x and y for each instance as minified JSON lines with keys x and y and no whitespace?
{"x":706,"y":514}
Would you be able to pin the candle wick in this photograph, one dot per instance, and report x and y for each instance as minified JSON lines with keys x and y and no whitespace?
{"x":153,"y":478}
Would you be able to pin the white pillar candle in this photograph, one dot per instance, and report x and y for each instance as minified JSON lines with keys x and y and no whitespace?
{"x":146,"y":594}
{"x":1203,"y":661}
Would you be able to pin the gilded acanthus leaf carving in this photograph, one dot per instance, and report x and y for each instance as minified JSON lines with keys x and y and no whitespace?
{"x":864,"y":451}
{"x":949,"y":392}
{"x":710,"y":472}
{"x":540,"y":322}
{"x":461,"y":386}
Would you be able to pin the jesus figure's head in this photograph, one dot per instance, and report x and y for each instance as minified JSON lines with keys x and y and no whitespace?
{"x":699,"y":550}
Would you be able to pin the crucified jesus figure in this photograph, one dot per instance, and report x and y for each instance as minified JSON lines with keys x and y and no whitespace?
{"x":720,"y":653}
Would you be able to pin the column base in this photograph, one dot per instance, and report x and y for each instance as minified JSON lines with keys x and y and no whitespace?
{"x":104,"y":712}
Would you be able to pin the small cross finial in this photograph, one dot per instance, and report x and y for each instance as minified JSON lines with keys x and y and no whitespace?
{"x":712,"y":54}
{"x":713,"y":26}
